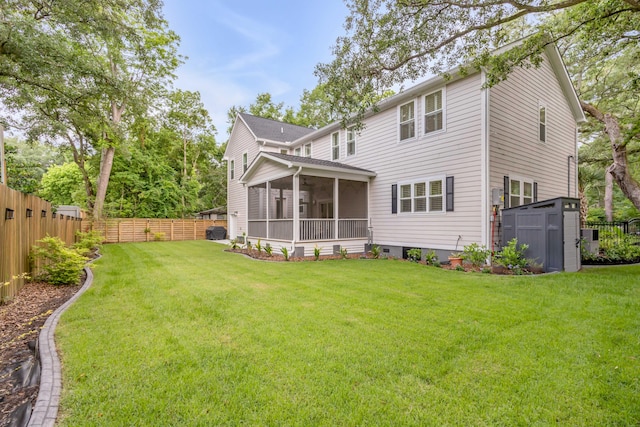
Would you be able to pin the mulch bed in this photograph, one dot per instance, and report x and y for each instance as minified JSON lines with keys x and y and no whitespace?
{"x":20,"y":322}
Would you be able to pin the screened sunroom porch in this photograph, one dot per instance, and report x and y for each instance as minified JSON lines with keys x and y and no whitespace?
{"x":315,"y":201}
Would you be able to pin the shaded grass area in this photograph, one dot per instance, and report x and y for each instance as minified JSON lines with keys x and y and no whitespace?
{"x":182,"y":333}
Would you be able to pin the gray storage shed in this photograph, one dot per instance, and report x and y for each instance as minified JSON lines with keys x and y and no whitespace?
{"x":551,"y":228}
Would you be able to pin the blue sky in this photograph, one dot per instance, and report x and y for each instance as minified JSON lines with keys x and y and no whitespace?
{"x":237,"y":49}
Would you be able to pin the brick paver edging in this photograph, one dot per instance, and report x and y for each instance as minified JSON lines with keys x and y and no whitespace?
{"x":46,"y":409}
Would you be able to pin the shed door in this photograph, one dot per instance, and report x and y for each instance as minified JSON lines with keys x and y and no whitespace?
{"x":571,"y":239}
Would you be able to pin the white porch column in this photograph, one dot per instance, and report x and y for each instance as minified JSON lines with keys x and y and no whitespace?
{"x":296,"y":207}
{"x":336,"y":201}
{"x":268,"y":196}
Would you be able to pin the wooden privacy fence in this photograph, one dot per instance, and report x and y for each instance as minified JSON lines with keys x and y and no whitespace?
{"x":24,"y":219}
{"x":124,"y":230}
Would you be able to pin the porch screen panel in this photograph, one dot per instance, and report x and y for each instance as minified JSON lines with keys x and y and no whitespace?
{"x":258,"y":201}
{"x":281,"y":198}
{"x":352,"y":199}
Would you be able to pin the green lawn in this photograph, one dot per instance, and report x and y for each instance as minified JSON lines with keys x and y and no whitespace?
{"x":182,"y":333}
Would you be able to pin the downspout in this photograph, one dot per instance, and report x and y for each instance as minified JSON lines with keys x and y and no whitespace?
{"x":296,"y":209}
{"x":485,"y":164}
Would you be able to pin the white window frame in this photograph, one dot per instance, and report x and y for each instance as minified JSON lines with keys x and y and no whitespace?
{"x":335,"y":145}
{"x":297,"y":151}
{"x":420,"y":199}
{"x":284,"y":151}
{"x":351,"y":132}
{"x":442,"y":110}
{"x":232,"y":169}
{"x":307,"y":150}
{"x":245,"y":162}
{"x":542,"y":124}
{"x":522,"y":199}
{"x":412,"y":120}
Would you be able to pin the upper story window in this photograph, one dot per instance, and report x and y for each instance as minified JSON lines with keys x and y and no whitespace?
{"x":307,"y":150}
{"x":335,"y":146}
{"x":433,"y":112}
{"x":407,"y":121}
{"x":232,"y":169}
{"x":351,"y":141}
{"x":284,"y":151}
{"x":297,"y":151}
{"x":542,"y":116}
{"x":422,"y":196}
{"x":245,"y":162}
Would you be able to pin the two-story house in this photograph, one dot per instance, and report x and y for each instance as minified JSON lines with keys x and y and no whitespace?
{"x":431,"y":168}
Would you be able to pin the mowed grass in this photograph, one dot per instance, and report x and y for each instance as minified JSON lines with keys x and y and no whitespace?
{"x":185,"y":334}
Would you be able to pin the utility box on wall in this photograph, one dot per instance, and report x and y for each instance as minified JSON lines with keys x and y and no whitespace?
{"x":551,"y":228}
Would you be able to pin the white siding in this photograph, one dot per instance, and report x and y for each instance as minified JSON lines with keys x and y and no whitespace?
{"x":241,"y":141}
{"x":455,"y":152}
{"x":513,"y":132}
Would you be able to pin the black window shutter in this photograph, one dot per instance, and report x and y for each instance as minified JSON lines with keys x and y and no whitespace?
{"x":535,"y":191}
{"x":449,"y":194}
{"x":506,"y":192}
{"x":394,"y":199}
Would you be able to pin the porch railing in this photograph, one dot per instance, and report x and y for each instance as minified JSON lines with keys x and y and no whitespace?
{"x":317,"y":229}
{"x":281,"y":229}
{"x":310,"y":229}
{"x":352,"y":228}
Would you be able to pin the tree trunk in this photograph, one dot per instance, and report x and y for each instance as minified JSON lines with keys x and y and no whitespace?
{"x":608,"y":196}
{"x":620,"y":167}
{"x":106,"y":163}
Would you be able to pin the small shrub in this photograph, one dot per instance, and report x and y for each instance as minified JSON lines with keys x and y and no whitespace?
{"x":431,"y":258}
{"x":414,"y":254}
{"x":459,"y":268}
{"x":233,"y":243}
{"x":375,"y":251}
{"x":285,"y":253}
{"x":486,"y":270}
{"x":316,"y":252}
{"x":147,"y":230}
{"x":88,"y":241}
{"x":248,"y":245}
{"x":343,"y":252}
{"x":259,"y":246}
{"x":61,"y":265}
{"x":475,"y":254}
{"x":512,"y":256}
{"x":159,"y":237}
{"x":268,"y":250}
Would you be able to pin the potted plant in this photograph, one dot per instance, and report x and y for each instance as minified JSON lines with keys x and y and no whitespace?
{"x":455,"y":259}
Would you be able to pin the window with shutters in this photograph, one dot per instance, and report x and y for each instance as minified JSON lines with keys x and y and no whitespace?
{"x":335,"y":146}
{"x":520,"y":192}
{"x":407,"y":120}
{"x":434,"y":112}
{"x":425,"y":195}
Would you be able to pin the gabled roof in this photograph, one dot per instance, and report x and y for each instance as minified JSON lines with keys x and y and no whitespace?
{"x":273,"y":130}
{"x":302,"y":162}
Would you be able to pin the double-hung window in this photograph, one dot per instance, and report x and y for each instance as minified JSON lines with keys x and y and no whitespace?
{"x":351,"y":141}
{"x":520,"y":192}
{"x":407,"y":121}
{"x":307,"y":150}
{"x":335,"y":146}
{"x":542,"y":118}
{"x":297,"y":151}
{"x":422,"y":196}
{"x":433,"y":112}
{"x":245,"y":162}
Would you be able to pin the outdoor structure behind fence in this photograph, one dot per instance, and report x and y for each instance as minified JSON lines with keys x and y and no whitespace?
{"x":615,"y":231}
{"x":124,"y":230}
{"x":24,"y":220}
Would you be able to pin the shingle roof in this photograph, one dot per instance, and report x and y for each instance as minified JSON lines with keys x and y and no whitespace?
{"x":273,"y":130}
{"x":316,"y":162}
